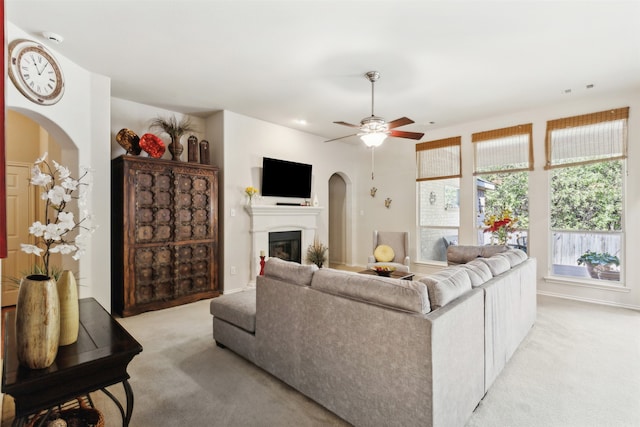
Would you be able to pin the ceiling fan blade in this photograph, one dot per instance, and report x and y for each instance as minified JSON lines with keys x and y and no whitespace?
{"x":404,"y":134}
{"x":347,"y":124}
{"x":400,"y":122}
{"x":342,"y":137}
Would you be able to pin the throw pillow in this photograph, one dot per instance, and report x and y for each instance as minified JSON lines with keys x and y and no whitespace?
{"x":384,"y":253}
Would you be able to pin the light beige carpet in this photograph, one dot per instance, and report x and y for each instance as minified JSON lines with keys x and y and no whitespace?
{"x":579,"y":366}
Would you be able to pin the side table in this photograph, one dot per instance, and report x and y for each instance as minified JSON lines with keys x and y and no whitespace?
{"x":97,"y":360}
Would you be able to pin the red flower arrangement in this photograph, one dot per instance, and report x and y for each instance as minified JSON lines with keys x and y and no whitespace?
{"x":152,"y":145}
{"x":501,"y":226}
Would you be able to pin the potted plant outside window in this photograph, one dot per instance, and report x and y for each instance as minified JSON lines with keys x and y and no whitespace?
{"x":600,"y":262}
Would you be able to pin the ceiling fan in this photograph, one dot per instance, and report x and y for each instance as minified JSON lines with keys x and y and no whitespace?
{"x":374,"y":129}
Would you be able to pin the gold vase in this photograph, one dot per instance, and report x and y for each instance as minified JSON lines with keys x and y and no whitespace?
{"x":37,"y":322}
{"x":69,"y":312}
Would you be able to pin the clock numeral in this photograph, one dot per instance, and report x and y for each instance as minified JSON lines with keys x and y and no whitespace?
{"x":26,"y":76}
{"x":32,"y":84}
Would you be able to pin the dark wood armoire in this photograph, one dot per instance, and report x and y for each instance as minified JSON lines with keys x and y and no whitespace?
{"x":164,"y":233}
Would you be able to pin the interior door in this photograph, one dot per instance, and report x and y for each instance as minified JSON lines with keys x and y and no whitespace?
{"x":20,"y":215}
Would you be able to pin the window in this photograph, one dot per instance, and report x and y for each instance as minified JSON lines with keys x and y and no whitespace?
{"x":585,"y":156}
{"x":438,"y":187}
{"x":503,"y":159}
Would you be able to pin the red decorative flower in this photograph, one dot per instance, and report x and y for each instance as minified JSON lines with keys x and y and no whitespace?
{"x":152,"y":145}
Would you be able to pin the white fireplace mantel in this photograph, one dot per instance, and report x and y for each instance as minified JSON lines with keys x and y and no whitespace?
{"x":272,"y":218}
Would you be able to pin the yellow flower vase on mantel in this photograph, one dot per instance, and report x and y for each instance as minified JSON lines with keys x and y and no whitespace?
{"x":69,"y":310}
{"x":37,"y":322}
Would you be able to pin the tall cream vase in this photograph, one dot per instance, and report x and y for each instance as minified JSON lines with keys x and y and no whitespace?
{"x":37,"y":321}
{"x":69,"y":312}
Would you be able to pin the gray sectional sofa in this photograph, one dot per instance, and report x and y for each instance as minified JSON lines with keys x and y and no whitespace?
{"x":385,"y":352}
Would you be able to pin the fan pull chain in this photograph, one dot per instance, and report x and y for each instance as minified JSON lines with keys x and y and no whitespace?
{"x":372,"y":162}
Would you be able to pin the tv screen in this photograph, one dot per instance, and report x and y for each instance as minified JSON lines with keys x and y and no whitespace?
{"x":281,"y":178}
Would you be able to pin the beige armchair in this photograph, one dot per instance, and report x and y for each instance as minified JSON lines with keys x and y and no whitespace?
{"x":399,"y":242}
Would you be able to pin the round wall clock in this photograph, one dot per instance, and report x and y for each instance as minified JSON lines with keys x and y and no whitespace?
{"x":35,"y":72}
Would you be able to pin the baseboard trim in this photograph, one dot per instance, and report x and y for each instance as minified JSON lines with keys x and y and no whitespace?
{"x":589,"y":300}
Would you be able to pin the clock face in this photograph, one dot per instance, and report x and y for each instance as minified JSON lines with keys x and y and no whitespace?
{"x":35,"y":72}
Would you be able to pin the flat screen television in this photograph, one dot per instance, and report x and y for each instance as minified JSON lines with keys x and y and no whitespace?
{"x":281,"y":178}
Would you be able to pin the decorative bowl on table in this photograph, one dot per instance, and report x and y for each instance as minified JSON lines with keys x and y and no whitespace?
{"x":384,"y":271}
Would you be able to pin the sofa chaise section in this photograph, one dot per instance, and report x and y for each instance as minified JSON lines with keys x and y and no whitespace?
{"x":363,"y":347}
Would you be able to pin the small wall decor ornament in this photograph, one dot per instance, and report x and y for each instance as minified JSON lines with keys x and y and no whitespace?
{"x":387,"y":202}
{"x":373,"y":191}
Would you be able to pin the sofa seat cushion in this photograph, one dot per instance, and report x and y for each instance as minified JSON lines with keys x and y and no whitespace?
{"x":238,"y":308}
{"x":478,"y":272}
{"x":406,"y":295}
{"x":446,"y":285}
{"x":461,"y":254}
{"x":497,"y":264}
{"x":288,"y":271}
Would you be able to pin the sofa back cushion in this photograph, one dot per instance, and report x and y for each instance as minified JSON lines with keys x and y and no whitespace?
{"x":446,"y":285}
{"x":403,"y":295}
{"x":461,"y":254}
{"x":288,"y":271}
{"x":514,"y":256}
{"x":497,"y":264}
{"x":478,"y":272}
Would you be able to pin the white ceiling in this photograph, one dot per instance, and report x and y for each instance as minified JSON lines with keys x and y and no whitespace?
{"x":442,"y":62}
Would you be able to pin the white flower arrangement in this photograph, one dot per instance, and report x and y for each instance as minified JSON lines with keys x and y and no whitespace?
{"x":55,"y":235}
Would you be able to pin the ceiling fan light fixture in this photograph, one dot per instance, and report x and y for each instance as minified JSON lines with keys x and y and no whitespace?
{"x":373,"y":139}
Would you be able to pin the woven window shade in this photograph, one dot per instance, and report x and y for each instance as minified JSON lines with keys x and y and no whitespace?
{"x":439,"y":159}
{"x":589,"y":138}
{"x":503,"y":150}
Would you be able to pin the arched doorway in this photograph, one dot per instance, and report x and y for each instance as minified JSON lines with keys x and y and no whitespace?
{"x":26,"y":140}
{"x":340,"y":228}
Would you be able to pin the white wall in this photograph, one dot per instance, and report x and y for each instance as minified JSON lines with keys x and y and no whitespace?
{"x":395,"y":176}
{"x":80,"y":120}
{"x":87,"y":119}
{"x":246,"y":141}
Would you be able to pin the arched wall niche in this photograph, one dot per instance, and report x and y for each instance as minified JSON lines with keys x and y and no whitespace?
{"x":341,"y":217}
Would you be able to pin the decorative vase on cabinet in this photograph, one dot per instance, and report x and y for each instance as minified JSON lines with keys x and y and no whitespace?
{"x":37,"y":321}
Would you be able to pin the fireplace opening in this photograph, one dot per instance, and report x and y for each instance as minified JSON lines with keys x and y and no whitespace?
{"x":286,"y":245}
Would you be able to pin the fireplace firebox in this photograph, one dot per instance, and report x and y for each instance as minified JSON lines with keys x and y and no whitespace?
{"x":286,"y":245}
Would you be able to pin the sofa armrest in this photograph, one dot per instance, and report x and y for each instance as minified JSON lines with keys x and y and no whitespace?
{"x":457,"y":357}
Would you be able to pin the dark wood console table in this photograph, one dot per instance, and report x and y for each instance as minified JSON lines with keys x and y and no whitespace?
{"x":97,"y":360}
